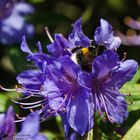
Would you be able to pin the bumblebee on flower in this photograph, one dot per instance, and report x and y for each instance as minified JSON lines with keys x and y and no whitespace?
{"x":74,"y":85}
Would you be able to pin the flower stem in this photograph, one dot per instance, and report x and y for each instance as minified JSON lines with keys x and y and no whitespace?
{"x":96,"y":131}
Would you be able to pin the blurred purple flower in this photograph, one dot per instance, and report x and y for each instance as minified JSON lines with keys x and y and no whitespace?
{"x":7,"y":125}
{"x":12,"y":23}
{"x":130,"y":39}
{"x":29,"y":130}
{"x":132,"y":23}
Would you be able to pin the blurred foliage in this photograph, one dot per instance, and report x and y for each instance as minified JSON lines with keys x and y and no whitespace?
{"x":134,"y":132}
{"x":58,"y":15}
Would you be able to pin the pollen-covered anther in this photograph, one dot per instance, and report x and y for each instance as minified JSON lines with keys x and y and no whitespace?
{"x":31,"y":110}
{"x":17,"y":86}
{"x":124,"y":56}
{"x":48,"y":34}
{"x":6,"y":89}
{"x":19,"y":117}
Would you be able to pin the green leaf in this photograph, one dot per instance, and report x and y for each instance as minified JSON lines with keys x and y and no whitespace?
{"x":17,"y":58}
{"x":3,"y":101}
{"x":133,"y":89}
{"x":134,"y":132}
{"x":134,"y":106}
{"x":50,"y":135}
{"x":136,"y":77}
{"x":134,"y":98}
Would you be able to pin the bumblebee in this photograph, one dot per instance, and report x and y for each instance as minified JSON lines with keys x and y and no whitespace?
{"x":84,"y":56}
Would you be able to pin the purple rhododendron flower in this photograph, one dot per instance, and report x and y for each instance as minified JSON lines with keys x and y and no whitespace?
{"x":71,"y":90}
{"x":77,"y":37}
{"x":12,"y":23}
{"x":60,"y":46}
{"x":107,"y":76}
{"x":59,"y":75}
{"x":68,"y":98}
{"x":29,"y":130}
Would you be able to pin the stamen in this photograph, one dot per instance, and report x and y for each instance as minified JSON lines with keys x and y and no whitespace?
{"x":23,"y":89}
{"x":36,"y":95}
{"x":48,"y":34}
{"x":111,"y":97}
{"x":5,"y":89}
{"x":40,"y":111}
{"x":114,"y":92}
{"x":39,"y":46}
{"x":33,"y":90}
{"x":105,"y":107}
{"x":30,"y":107}
{"x":125,"y":54}
{"x":99,"y":107}
{"x":65,"y":98}
{"x":22,"y":97}
{"x":31,"y":66}
{"x":20,"y":118}
{"x":69,"y":96}
{"x":16,"y":121}
{"x":28,"y":104}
